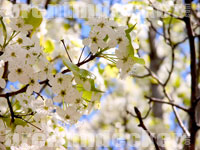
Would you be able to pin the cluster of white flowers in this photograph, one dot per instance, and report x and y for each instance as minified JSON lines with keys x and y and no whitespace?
{"x":24,"y":63}
{"x":106,"y":34}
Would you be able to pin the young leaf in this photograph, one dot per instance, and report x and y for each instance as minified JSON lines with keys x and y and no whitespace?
{"x":77,"y":71}
{"x":34,"y":18}
{"x":49,"y":46}
{"x":4,"y":30}
{"x":130,"y":46}
{"x":139,"y":60}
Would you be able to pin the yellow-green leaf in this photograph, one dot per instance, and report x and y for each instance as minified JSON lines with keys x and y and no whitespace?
{"x":49,"y":46}
{"x":33,"y":17}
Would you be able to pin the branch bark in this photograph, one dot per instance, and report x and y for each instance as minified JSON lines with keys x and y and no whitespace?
{"x":47,"y":3}
{"x":142,"y":125}
{"x":156,"y":100}
{"x":193,"y":128}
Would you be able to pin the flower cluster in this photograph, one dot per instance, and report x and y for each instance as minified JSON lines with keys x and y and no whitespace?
{"x":45,"y":97}
{"x":106,"y":34}
{"x":26,"y":109}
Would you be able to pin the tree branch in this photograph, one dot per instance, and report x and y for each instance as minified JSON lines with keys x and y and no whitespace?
{"x":81,"y":54}
{"x":22,"y":90}
{"x":11,"y":109}
{"x":140,"y":76}
{"x":157,"y":100}
{"x":170,"y":100}
{"x":66,"y":50}
{"x":46,"y":4}
{"x":83,"y":62}
{"x":142,"y":125}
{"x":193,"y":128}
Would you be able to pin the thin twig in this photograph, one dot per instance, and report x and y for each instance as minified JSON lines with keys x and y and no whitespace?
{"x":140,"y":76}
{"x":38,"y":94}
{"x":81,"y":54}
{"x":28,"y":122}
{"x":147,"y":114}
{"x":22,"y":90}
{"x":83,"y":62}
{"x":66,"y":50}
{"x":87,"y":56}
{"x":157,"y":100}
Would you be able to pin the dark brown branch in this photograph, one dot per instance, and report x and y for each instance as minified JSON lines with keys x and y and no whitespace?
{"x":28,"y":1}
{"x":46,"y":4}
{"x":66,"y":50}
{"x":29,"y":114}
{"x":142,"y":125}
{"x":27,"y":122}
{"x":15,"y":92}
{"x":11,"y":109}
{"x":192,"y":58}
{"x":22,"y":90}
{"x":140,"y":76}
{"x":83,"y":62}
{"x":157,"y":100}
{"x":5,"y":70}
{"x":198,"y":70}
{"x":5,"y":74}
{"x":193,"y":128}
{"x":81,"y":54}
{"x":198,"y":67}
{"x":41,"y":90}
{"x":87,"y":56}
{"x":147,"y":114}
{"x":38,"y":94}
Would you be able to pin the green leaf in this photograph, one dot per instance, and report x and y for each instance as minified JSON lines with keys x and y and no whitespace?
{"x":130,"y":46}
{"x":99,"y":69}
{"x":87,"y":95}
{"x":138,"y":3}
{"x":33,"y":17}
{"x":74,"y":68}
{"x":177,"y":82}
{"x":167,"y":20}
{"x":19,"y":121}
{"x":82,"y":73}
{"x":7,"y":121}
{"x":75,"y":43}
{"x":49,"y":46}
{"x":79,"y":87}
{"x":139,"y":60}
{"x":77,"y":71}
{"x":4,"y":30}
{"x":86,"y":74}
{"x":130,"y":29}
{"x":93,"y":88}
